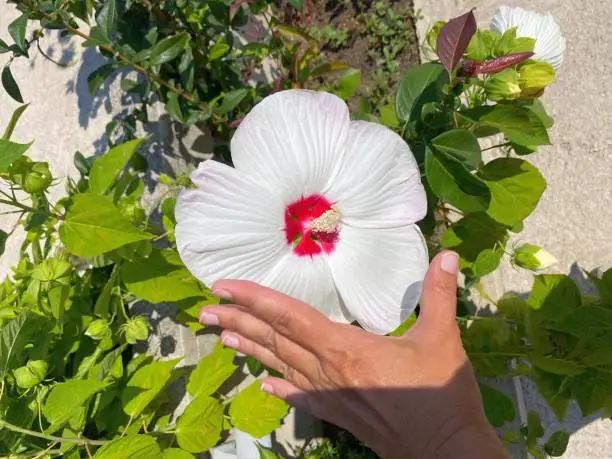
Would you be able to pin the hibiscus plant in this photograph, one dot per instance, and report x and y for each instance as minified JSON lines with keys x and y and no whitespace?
{"x":341,"y":210}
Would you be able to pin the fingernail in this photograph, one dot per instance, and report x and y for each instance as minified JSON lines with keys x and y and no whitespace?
{"x":450,"y":262}
{"x":265,"y":387}
{"x":223,"y":294}
{"x":209,"y":319}
{"x":230,"y":341}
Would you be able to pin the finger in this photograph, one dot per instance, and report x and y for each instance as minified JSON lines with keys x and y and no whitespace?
{"x":439,"y":299}
{"x":292,"y":318}
{"x":265,"y":356}
{"x":257,"y":331}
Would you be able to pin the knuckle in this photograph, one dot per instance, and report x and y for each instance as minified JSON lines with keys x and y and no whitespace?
{"x":282,"y":321}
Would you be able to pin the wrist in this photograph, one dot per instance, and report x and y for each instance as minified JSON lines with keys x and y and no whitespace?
{"x":475,"y":441}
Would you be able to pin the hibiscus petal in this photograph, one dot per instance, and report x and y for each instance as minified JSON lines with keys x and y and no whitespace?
{"x":378,"y":184}
{"x":379,"y":273}
{"x":230,"y":227}
{"x":292,"y":141}
{"x":309,"y":279}
{"x":550,"y":43}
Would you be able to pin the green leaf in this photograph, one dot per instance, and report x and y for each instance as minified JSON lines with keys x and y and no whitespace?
{"x":97,"y":37}
{"x":4,"y":48}
{"x":10,"y":85}
{"x":3,"y":238}
{"x":556,"y":444}
{"x":169,"y":48}
{"x":107,"y":167}
{"x":130,"y":447}
{"x":173,"y":107}
{"x":586,"y":321}
{"x":256,"y":412}
{"x":537,"y":107}
{"x":266,"y":453}
{"x":212,"y":371}
{"x":452,"y":182}
{"x":17,"y":31}
{"x":175,"y":453}
{"x":554,"y":365}
{"x":10,"y":152}
{"x":481,"y":45}
{"x":328,"y":68}
{"x":67,"y":398}
{"x":534,"y":429}
{"x":13,"y":122}
{"x":348,"y":83}
{"x":554,"y":295}
{"x":461,"y":145}
{"x":145,"y":384}
{"x":94,"y":226}
{"x":404,"y":326}
{"x":13,"y":338}
{"x":231,"y":100}
{"x":518,"y":124}
{"x":160,"y":277}
{"x":98,"y":76}
{"x":420,"y":84}
{"x":499,"y":409}
{"x":199,"y":428}
{"x":297,"y":4}
{"x":591,"y":389}
{"x":218,"y":50}
{"x":107,"y":18}
{"x":102,"y":305}
{"x":516,"y":188}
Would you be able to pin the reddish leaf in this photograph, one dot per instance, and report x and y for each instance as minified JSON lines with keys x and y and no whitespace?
{"x":454,"y":39}
{"x":502,"y":63}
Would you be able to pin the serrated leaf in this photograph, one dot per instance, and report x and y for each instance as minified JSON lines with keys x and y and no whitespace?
{"x":168,"y":49}
{"x":453,"y":183}
{"x":160,"y":277}
{"x":98,"y":76}
{"x":94,"y":226}
{"x":107,"y":18}
{"x":67,"y":398}
{"x":420,"y":85}
{"x":266,"y":453}
{"x":105,"y":169}
{"x":10,"y":85}
{"x":13,"y":122}
{"x":175,"y":453}
{"x":499,"y":409}
{"x":454,"y":38}
{"x":554,"y":295}
{"x":256,"y":412}
{"x":130,"y":447}
{"x":516,"y":188}
{"x":212,"y":371}
{"x":461,"y":145}
{"x":13,"y":338}
{"x":145,"y":384}
{"x":199,"y":428}
{"x":10,"y":152}
{"x":17,"y":31}
{"x":555,"y":366}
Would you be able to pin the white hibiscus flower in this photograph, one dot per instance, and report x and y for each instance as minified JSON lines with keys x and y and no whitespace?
{"x":550,"y":44}
{"x":318,"y":206}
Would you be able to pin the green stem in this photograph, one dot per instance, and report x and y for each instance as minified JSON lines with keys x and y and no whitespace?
{"x":505,"y":144}
{"x":31,"y":433}
{"x":29,"y":209}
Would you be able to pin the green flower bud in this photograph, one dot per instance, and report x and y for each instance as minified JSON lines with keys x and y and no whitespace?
{"x":31,"y":374}
{"x":38,"y":179}
{"x":136,"y":329}
{"x":19,"y":169}
{"x":503,"y":85}
{"x":98,"y":330}
{"x":532,"y":257}
{"x":432,"y":35}
{"x":132,"y":210}
{"x":534,"y":76}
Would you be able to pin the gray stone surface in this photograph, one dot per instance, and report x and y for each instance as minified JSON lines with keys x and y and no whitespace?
{"x":572,"y":221}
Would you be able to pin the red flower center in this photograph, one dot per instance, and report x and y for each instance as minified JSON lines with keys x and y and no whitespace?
{"x":311,"y":225}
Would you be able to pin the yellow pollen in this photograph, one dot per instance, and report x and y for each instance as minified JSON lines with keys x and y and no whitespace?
{"x":327,"y":222}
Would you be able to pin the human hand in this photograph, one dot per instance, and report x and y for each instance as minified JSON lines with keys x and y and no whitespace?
{"x":413,"y":396}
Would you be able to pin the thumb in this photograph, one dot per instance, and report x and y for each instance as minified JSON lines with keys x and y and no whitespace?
{"x":439,"y":298}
